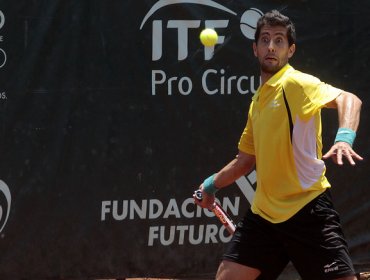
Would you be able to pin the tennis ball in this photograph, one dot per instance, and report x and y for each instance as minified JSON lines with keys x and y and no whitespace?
{"x":208,"y":37}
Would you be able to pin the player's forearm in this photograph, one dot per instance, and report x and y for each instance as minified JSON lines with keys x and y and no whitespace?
{"x":349,"y":107}
{"x":238,"y":167}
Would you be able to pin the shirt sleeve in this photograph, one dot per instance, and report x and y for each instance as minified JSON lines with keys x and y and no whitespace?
{"x":246,"y":143}
{"x":320,"y":93}
{"x":315,"y":94}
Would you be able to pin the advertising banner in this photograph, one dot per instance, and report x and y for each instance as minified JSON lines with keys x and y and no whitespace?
{"x":112,"y":113}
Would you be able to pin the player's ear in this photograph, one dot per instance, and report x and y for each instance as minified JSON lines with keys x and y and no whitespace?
{"x":291,"y":50}
{"x":255,"y":49}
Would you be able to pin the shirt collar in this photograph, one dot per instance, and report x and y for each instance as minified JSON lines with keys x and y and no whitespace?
{"x":273,"y":81}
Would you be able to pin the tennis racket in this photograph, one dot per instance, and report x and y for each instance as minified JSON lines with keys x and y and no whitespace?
{"x":219,"y":212}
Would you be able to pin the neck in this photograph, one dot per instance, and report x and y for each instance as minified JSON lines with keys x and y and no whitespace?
{"x":265,"y":77}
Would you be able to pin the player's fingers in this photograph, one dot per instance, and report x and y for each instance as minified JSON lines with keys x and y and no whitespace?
{"x":351,"y":155}
{"x":199,"y":202}
{"x":339,"y":157}
{"x":329,"y":154}
{"x":356,"y":156}
{"x":340,"y":150}
{"x":348,"y":155}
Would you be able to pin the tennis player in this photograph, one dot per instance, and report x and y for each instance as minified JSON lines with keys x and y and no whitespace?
{"x":292,"y":217}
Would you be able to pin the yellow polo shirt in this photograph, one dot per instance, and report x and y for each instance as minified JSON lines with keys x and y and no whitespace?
{"x":283,"y":131}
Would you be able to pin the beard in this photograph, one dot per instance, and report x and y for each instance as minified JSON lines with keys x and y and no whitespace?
{"x":271,"y":69}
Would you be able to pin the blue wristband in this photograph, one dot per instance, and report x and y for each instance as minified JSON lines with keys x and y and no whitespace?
{"x":345,"y":135}
{"x":209,"y":185}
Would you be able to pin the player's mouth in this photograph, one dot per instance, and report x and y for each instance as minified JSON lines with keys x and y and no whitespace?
{"x":271,"y":59}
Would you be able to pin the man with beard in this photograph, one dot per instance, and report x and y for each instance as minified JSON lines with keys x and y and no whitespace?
{"x":292,"y":217}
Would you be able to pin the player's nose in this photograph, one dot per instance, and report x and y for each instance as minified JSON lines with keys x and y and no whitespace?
{"x":271,"y":46}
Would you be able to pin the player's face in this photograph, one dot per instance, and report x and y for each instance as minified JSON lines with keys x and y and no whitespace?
{"x":272,"y":49}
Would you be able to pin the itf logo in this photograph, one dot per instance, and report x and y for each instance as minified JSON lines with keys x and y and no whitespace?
{"x":4,"y":204}
{"x":248,"y":21}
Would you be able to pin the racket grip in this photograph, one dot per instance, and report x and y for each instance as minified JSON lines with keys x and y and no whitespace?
{"x":220,"y":213}
{"x":223,"y":217}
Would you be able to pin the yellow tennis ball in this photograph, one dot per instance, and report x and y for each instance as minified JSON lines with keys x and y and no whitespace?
{"x":208,"y":37}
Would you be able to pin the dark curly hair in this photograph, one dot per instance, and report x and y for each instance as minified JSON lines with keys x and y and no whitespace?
{"x":275,"y":18}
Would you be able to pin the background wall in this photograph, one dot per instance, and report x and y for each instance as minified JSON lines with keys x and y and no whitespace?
{"x":112,"y":113}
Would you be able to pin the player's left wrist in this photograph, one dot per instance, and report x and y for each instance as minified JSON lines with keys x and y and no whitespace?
{"x":346,"y":135}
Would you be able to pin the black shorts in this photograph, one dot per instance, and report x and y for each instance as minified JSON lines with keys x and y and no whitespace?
{"x":312,"y":240}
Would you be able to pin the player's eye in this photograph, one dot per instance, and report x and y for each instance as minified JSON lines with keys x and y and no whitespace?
{"x":279,"y":40}
{"x":264,"y":40}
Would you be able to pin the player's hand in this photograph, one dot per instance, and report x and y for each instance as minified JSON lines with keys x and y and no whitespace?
{"x":342,"y":150}
{"x":207,"y":199}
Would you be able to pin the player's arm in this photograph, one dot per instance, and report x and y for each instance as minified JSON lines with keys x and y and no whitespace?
{"x":349,"y":107}
{"x":239,"y":166}
{"x":242,"y":164}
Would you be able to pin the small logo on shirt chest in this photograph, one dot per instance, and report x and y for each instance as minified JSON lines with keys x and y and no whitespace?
{"x":274,"y":104}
